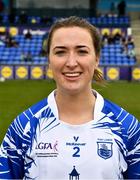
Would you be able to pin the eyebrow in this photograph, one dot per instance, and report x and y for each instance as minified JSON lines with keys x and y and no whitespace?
{"x":63,"y":47}
{"x":59,"y":47}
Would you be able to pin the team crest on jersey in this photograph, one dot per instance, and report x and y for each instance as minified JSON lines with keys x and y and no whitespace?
{"x":104,"y":149}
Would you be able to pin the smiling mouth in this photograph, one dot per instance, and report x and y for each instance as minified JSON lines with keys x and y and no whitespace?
{"x":72,"y":74}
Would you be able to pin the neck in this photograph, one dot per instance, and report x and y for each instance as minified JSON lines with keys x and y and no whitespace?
{"x":75,"y":109}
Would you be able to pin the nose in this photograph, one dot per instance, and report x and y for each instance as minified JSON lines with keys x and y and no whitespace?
{"x":71,"y":60}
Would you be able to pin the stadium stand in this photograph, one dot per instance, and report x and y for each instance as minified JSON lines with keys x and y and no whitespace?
{"x":100,"y":21}
{"x":29,"y":50}
{"x":117,"y":48}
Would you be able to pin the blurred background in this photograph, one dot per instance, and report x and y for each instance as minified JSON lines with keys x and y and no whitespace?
{"x":24,"y":74}
{"x":24,"y":26}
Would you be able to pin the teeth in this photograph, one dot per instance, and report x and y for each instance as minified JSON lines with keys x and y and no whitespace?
{"x":72,"y":74}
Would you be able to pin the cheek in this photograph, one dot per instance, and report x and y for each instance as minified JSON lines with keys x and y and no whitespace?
{"x":91,"y":67}
{"x":52,"y":63}
{"x":92,"y":64}
{"x":55,"y":68}
{"x":91,"y":70}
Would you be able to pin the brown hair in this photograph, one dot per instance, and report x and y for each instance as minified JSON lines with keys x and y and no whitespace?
{"x":79,"y":22}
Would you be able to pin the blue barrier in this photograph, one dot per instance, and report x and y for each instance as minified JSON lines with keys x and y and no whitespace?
{"x":111,"y":73}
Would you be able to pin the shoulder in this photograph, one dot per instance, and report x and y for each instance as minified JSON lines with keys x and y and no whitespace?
{"x":116,"y":116}
{"x":25,"y":123}
{"x":130,"y":126}
{"x":24,"y":126}
{"x":29,"y":119}
{"x":119,"y":113}
{"x":30,"y":113}
{"x":36,"y":112}
{"x":110,"y":109}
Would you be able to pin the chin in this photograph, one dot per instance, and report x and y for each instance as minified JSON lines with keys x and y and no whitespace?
{"x":72,"y":90}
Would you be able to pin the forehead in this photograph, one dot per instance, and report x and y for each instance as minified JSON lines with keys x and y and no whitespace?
{"x":72,"y":35}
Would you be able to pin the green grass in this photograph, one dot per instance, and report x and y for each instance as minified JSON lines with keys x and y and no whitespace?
{"x":18,"y":95}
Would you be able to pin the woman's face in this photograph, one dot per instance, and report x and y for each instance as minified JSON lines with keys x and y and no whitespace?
{"x":72,"y":59}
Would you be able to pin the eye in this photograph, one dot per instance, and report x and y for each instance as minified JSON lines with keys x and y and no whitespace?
{"x":82,"y":52}
{"x":60,"y":52}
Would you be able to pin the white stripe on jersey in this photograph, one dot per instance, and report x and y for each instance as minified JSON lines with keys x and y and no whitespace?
{"x":50,"y":149}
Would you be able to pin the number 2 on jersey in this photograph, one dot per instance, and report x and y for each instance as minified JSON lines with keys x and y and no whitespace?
{"x":77,"y":152}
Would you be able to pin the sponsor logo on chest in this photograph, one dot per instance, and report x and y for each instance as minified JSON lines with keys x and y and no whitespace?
{"x":47,"y":149}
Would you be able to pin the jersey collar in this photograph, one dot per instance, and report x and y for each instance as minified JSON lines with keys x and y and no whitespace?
{"x":97,"y":111}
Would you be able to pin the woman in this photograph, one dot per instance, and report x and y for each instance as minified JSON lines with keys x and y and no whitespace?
{"x":75,"y":132}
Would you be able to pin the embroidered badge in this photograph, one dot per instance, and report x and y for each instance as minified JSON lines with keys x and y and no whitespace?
{"x":104,"y":149}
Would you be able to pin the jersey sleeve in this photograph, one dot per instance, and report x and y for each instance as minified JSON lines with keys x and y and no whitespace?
{"x":133,"y":148}
{"x":17,"y":143}
{"x":13,"y":149}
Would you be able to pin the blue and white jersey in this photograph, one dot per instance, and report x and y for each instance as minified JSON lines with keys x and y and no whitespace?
{"x":38,"y":145}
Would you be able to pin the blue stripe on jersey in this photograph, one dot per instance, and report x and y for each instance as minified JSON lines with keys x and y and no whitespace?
{"x":22,"y":133}
{"x":40,"y":105}
{"x":130,"y":134}
{"x":18,"y":139}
